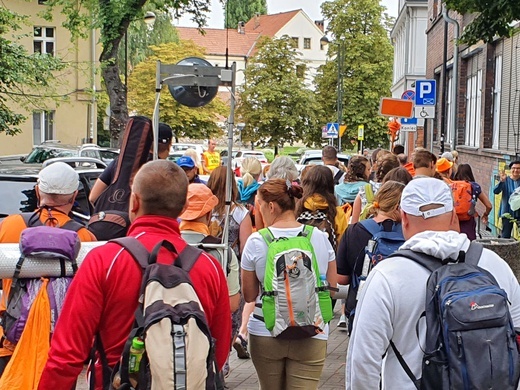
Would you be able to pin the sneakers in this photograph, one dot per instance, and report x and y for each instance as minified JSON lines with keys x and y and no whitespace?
{"x":240,"y":346}
{"x":342,"y":323}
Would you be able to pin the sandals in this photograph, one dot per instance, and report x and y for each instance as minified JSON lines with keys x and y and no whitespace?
{"x":240,"y":346}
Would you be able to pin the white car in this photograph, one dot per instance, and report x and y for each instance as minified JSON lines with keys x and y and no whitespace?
{"x":313,"y":157}
{"x":242,"y":154}
{"x":199,"y":148}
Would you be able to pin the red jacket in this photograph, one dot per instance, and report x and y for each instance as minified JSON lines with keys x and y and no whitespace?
{"x":104,"y":294}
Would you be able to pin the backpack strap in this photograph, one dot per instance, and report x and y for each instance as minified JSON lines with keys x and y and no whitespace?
{"x":371,"y":226}
{"x":188,"y":257}
{"x":338,"y":176}
{"x":416,"y":382}
{"x":267,"y":235}
{"x":31,"y":219}
{"x":307,"y":231}
{"x":139,"y":253}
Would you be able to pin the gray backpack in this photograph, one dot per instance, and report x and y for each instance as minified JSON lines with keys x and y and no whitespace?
{"x":470,"y":339}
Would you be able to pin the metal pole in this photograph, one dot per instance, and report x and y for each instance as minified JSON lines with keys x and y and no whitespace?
{"x":341,"y":54}
{"x":158,"y":85}
{"x":444,"y":86}
{"x":431,"y":134}
{"x":93,"y":76}
{"x":455,"y":75}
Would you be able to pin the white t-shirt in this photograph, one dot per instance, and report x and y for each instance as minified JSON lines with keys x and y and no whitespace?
{"x":254,"y":258}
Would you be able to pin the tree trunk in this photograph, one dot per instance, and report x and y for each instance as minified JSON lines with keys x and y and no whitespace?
{"x":117,"y":96}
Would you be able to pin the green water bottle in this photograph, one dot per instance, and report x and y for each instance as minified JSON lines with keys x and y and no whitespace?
{"x":136,"y":354}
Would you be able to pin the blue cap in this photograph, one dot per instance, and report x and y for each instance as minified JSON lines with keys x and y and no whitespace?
{"x":185,"y":161}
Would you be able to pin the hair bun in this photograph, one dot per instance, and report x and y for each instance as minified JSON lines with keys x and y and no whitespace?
{"x":295,"y":191}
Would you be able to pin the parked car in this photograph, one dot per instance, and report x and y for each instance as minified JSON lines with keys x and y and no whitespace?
{"x":224,"y":156}
{"x":18,"y":194}
{"x":173,"y":156}
{"x":55,"y":149}
{"x":199,"y":148}
{"x":242,"y":154}
{"x":310,"y":157}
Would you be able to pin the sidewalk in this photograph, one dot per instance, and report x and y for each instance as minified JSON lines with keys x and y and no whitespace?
{"x":243,"y":375}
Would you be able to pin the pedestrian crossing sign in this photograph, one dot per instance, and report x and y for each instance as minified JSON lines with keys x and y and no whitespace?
{"x":332,"y":130}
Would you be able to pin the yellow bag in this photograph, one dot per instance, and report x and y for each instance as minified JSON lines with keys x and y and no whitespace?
{"x":30,"y":355}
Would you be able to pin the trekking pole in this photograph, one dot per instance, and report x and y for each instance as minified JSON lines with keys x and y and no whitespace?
{"x":229,"y":172}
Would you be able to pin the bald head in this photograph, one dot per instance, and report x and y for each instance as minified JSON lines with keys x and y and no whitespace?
{"x":159,"y":188}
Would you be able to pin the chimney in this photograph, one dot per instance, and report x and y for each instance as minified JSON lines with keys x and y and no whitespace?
{"x":320,"y":24}
{"x":257,"y":20}
{"x":240,"y":28}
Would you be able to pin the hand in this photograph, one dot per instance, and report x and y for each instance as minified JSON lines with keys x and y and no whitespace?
{"x":484,"y":219}
{"x":503,"y":175}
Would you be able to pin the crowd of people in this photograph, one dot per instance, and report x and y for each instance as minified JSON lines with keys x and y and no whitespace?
{"x":324,"y":220}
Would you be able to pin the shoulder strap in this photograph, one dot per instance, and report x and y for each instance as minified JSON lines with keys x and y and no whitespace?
{"x":371,"y":226}
{"x":139,"y":253}
{"x":72,"y":225}
{"x":473,"y":254}
{"x":429,"y":262}
{"x":31,"y":219}
{"x":307,"y":231}
{"x":267,"y":235}
{"x":369,"y":193}
{"x":188,"y":257}
{"x":403,"y":364}
{"x":337,"y":176}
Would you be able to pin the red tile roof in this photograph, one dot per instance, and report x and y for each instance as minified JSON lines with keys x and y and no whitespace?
{"x":215,"y":40}
{"x":269,"y":24}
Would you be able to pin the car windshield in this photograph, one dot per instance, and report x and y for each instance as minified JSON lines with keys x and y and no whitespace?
{"x":17,"y":196}
{"x":39,"y":155}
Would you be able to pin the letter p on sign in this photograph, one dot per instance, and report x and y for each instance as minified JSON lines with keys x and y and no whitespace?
{"x":425,"y":90}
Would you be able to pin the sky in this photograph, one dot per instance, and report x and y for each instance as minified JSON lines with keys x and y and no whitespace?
{"x":311,"y":8}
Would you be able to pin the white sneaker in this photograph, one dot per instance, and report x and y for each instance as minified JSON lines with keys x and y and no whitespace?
{"x":342,"y":323}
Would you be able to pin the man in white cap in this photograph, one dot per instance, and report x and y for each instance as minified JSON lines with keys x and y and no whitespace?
{"x":394,"y":295}
{"x":56,"y":190}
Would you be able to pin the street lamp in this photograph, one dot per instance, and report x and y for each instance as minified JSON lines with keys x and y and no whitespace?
{"x":149,"y":19}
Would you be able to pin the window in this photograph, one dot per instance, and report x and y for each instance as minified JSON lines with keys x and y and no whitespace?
{"x":295,"y":42}
{"x":307,"y":43}
{"x":44,"y":40}
{"x":473,"y":108}
{"x":43,"y":126}
{"x":497,"y":95}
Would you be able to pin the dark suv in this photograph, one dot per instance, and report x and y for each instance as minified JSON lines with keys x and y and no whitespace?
{"x":48,"y":150}
{"x":17,"y":188}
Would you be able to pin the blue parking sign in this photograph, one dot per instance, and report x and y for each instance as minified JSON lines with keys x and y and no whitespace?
{"x":425,"y":92}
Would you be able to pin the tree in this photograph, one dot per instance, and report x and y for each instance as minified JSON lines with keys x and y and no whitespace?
{"x":112,"y":18}
{"x":25,"y":79}
{"x":275,"y":103}
{"x":492,"y":18}
{"x":242,"y":10}
{"x":359,"y":29}
{"x":195,"y":123}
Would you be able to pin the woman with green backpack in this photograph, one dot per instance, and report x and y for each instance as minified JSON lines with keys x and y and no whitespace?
{"x":288,"y":269}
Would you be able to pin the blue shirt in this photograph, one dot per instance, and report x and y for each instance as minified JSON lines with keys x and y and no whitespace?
{"x":507,"y":188}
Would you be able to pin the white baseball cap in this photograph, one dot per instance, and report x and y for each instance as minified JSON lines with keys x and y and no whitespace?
{"x":58,"y":178}
{"x":426,"y":191}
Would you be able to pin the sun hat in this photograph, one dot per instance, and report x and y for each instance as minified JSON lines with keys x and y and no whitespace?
{"x":443,"y":164}
{"x":58,"y":178}
{"x":185,"y":162}
{"x":423,"y":192}
{"x":200,"y":202}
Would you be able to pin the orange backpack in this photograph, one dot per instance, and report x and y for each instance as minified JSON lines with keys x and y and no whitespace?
{"x":463,"y":199}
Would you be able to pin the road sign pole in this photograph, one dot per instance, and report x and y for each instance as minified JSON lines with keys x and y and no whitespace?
{"x":431,"y":135}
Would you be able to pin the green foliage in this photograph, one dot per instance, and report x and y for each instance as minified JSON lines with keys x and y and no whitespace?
{"x":492,"y":18}
{"x":359,"y":30}
{"x":275,"y":103}
{"x":242,"y":11}
{"x":141,"y":36}
{"x":25,"y":79}
{"x":198,"y":122}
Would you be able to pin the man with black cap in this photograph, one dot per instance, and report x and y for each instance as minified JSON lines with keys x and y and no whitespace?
{"x":164,"y":145}
{"x":507,"y":185}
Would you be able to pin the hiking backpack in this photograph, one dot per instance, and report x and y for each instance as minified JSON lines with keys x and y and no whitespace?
{"x":50,"y":243}
{"x":470,"y":339}
{"x":382,"y":244}
{"x":296,"y":302}
{"x":179,"y":350}
{"x":319,"y":220}
{"x":464,"y":200}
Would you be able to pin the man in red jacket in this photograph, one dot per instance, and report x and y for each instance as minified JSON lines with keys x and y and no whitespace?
{"x":104,"y":294}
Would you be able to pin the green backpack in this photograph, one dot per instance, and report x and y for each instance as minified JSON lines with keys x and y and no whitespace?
{"x":296,"y":304}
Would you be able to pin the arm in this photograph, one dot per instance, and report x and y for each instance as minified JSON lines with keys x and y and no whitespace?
{"x":250,"y":285}
{"x":233,"y":282}
{"x":246,"y":228}
{"x":332,"y":276}
{"x":259,"y":220}
{"x":205,"y":164}
{"x":371,"y":334}
{"x":487,"y":204}
{"x":97,"y":189}
{"x":81,"y":312}
{"x":500,"y":186}
{"x":342,"y":265}
{"x":356,"y":210}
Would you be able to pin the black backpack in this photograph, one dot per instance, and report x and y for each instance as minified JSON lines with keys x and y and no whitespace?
{"x":470,"y":339}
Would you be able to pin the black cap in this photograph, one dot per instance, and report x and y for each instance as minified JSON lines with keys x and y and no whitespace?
{"x":165,"y":133}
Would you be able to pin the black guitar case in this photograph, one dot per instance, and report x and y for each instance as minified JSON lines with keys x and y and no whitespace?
{"x":135,"y":151}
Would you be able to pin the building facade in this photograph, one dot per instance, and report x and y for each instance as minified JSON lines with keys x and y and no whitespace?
{"x":409,"y":40}
{"x":487,"y":122}
{"x":74,"y":119}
